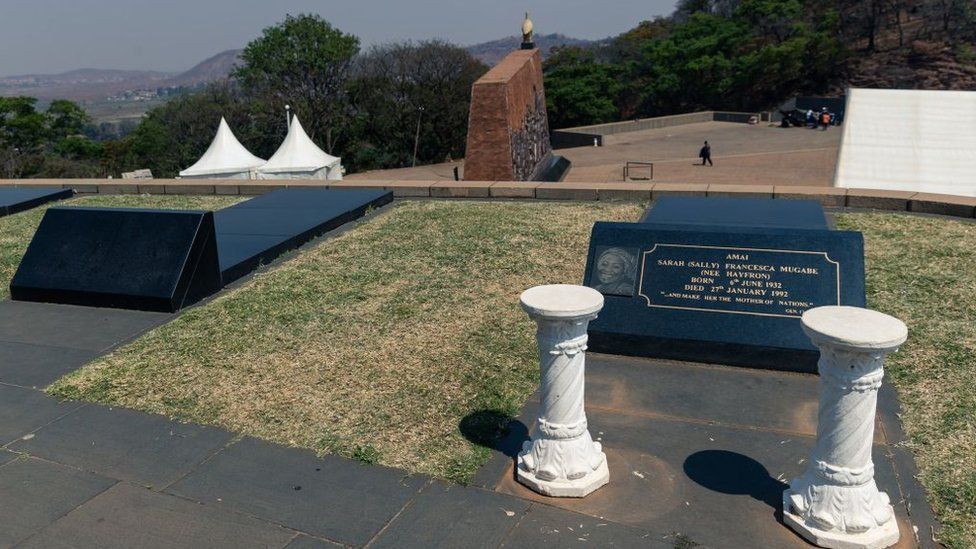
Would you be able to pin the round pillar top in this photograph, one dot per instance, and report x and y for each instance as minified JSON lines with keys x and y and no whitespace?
{"x":854,"y":328}
{"x":561,"y":301}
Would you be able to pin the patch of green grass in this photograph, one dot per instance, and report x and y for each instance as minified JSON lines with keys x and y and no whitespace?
{"x":17,"y":230}
{"x":923,"y":271}
{"x":375,"y":345}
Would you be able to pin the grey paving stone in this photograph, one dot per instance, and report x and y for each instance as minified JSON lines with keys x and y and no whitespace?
{"x":127,"y":516}
{"x":675,"y":389}
{"x":720,"y":486}
{"x":38,"y":365}
{"x":89,"y":328}
{"x":306,"y":542}
{"x":35,"y":493}
{"x":332,"y":497}
{"x":6,"y":456}
{"x":546,"y":526}
{"x":453,"y":516}
{"x":24,"y":410}
{"x":145,"y":449}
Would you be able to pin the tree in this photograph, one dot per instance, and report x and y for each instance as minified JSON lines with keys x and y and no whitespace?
{"x":66,"y":118}
{"x":579,"y":89}
{"x":410,"y":95}
{"x":303,"y":62}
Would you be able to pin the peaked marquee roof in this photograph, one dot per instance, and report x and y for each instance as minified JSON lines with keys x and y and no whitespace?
{"x":224,"y":155}
{"x":298,"y":153}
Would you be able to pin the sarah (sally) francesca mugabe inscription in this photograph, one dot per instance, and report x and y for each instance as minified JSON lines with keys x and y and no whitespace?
{"x":737,"y":280}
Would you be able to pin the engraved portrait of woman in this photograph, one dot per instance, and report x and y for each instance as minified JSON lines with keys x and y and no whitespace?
{"x":616,"y":270}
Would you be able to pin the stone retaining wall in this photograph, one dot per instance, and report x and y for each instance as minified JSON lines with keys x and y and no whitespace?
{"x":944,"y":204}
{"x":583,"y":135}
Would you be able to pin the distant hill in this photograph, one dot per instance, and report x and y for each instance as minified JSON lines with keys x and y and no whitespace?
{"x":209,"y":70}
{"x":492,"y":52}
{"x":81,"y":84}
{"x":93,"y":85}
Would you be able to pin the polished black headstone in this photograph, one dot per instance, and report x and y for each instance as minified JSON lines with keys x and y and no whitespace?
{"x":729,"y":294}
{"x":14,"y":199}
{"x":737,"y":212}
{"x":259,"y":230}
{"x":157,"y":260}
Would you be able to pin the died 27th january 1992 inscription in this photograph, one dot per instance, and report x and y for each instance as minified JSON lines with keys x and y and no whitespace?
{"x":750,"y":281}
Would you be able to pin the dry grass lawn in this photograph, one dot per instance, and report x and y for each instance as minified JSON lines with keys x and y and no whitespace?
{"x":16,"y":230}
{"x":374,"y":345}
{"x":923,"y":270}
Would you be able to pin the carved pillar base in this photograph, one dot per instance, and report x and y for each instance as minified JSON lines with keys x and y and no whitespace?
{"x":836,"y":502}
{"x":563,"y":460}
{"x":562,"y":467}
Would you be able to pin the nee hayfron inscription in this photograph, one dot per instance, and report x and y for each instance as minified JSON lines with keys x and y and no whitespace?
{"x":727,"y":294}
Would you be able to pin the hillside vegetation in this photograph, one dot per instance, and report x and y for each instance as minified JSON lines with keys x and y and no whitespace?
{"x":752,"y":54}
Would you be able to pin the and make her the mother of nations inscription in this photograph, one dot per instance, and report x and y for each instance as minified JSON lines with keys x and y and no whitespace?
{"x":722,"y":281}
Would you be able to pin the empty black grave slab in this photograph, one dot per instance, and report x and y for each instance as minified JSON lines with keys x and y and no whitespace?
{"x":13,"y":200}
{"x":144,"y":449}
{"x":156,"y":260}
{"x":37,"y":493}
{"x":737,"y":212}
{"x":29,"y":365}
{"x":453,"y":516}
{"x":127,"y":516}
{"x":331,"y":497}
{"x":259,"y":230}
{"x":321,"y":200}
{"x":546,"y":526}
{"x":23,"y":411}
{"x":87,"y":328}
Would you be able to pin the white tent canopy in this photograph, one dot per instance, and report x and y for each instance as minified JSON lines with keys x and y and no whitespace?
{"x":909,"y":140}
{"x":300,"y":158}
{"x":226,"y":158}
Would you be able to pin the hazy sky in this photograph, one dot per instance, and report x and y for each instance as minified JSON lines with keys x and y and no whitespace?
{"x":46,"y":36}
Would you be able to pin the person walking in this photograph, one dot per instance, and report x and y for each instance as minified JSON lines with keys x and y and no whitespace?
{"x":706,"y":154}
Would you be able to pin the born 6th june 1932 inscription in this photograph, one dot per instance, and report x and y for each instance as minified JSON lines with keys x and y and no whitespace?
{"x":751,"y":281}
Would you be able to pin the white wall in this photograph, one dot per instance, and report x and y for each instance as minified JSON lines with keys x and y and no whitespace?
{"x":909,"y":140}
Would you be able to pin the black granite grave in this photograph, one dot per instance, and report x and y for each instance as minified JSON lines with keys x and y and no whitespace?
{"x":721,"y":280}
{"x":13,"y":200}
{"x":155,"y":260}
{"x":261,"y":229}
{"x":164,"y":260}
{"x":737,"y":212}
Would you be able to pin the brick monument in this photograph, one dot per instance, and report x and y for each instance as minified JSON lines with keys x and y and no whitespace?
{"x":508,"y":130}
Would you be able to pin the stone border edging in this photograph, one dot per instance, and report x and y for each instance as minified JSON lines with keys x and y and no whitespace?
{"x":906,"y":201}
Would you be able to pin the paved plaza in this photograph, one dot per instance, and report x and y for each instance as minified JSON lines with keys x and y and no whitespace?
{"x":743,"y":154}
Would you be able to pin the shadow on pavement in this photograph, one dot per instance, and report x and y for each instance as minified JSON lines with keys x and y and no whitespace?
{"x":734,"y":473}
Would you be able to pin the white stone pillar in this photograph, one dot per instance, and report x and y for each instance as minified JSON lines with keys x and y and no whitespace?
{"x":563,"y":460}
{"x":836,"y":503}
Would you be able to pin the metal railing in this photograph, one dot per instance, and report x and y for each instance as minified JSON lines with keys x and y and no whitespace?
{"x":640,"y":165}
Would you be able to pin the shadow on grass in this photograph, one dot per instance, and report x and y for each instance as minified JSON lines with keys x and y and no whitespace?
{"x":736,"y":474}
{"x":496,"y":430}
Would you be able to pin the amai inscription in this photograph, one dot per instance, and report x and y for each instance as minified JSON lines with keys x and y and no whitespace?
{"x":751,"y":281}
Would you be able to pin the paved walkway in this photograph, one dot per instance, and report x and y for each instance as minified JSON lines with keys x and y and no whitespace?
{"x":697,"y":454}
